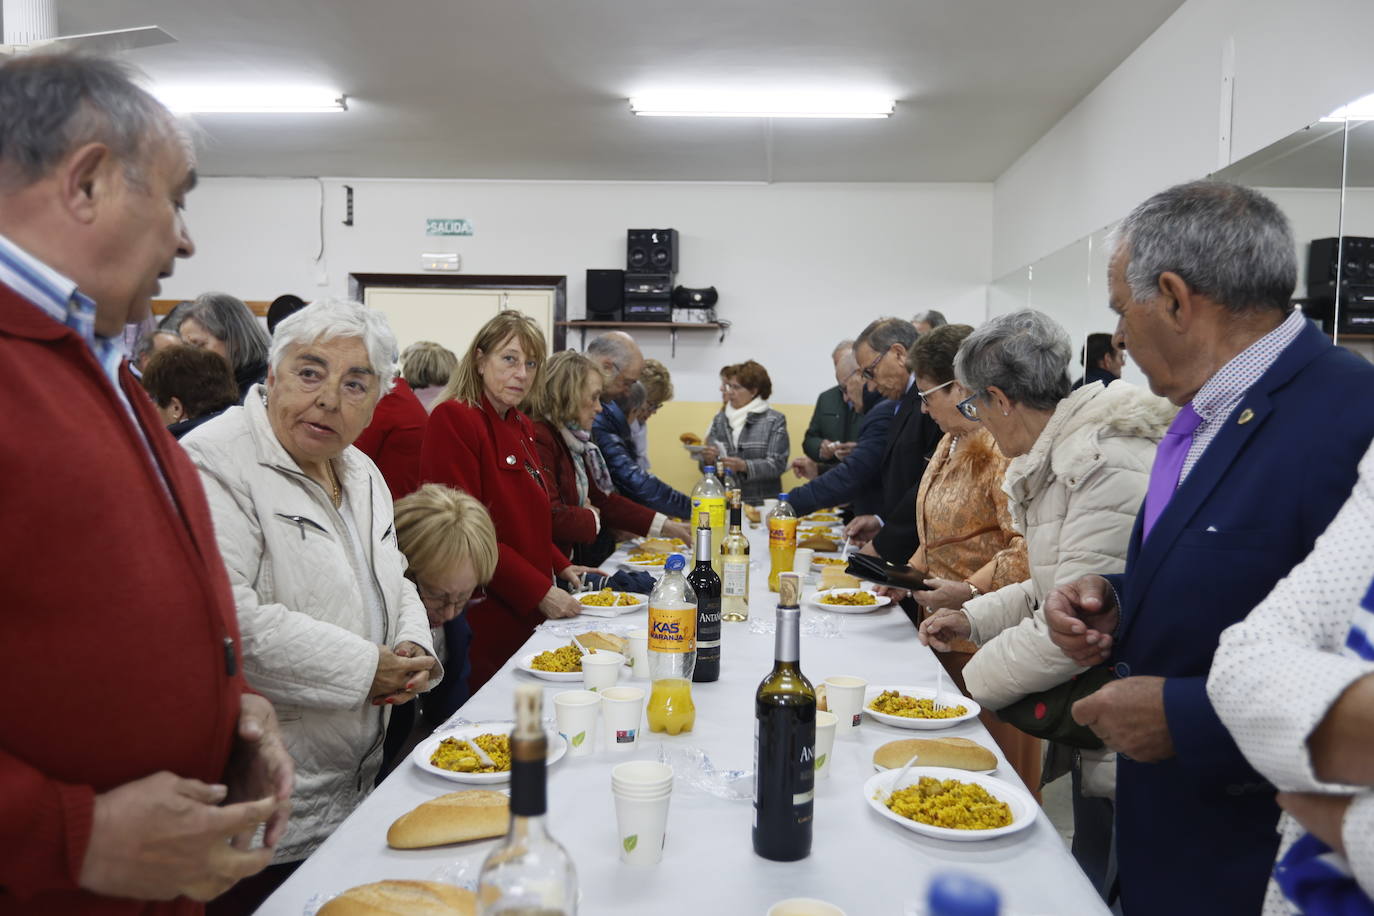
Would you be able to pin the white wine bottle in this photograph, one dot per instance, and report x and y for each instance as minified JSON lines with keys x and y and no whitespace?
{"x":530,"y":873}
{"x":734,"y":572}
{"x":785,"y":741}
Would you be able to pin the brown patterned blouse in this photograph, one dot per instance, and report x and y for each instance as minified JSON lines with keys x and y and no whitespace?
{"x":963,"y":519}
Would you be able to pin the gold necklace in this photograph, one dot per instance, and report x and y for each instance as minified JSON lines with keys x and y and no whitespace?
{"x":334,"y":483}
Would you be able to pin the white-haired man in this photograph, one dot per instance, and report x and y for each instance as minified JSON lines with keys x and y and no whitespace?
{"x":151,"y":766}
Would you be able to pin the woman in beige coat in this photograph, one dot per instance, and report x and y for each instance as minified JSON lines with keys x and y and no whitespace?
{"x":1079,"y":472}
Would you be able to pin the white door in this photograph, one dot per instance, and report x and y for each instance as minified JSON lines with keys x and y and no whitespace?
{"x":452,"y":317}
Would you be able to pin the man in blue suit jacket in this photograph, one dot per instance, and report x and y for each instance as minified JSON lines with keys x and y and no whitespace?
{"x":1201,"y":280}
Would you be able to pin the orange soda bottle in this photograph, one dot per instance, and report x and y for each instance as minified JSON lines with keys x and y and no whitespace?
{"x":782,"y":540}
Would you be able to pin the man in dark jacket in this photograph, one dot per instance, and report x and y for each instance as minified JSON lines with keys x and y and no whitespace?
{"x":881,"y":353}
{"x":612,"y":434}
{"x":835,"y":421}
{"x":1105,"y":357}
{"x":1261,"y":456}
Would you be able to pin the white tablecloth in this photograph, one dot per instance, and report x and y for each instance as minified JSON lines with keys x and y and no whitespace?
{"x":859,"y":861}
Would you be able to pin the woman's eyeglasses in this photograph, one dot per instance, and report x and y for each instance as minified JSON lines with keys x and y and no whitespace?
{"x":929,"y":391}
{"x":438,"y":602}
{"x":968,"y":408}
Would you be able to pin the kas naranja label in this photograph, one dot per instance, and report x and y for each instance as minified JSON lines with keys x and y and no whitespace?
{"x":672,"y":629}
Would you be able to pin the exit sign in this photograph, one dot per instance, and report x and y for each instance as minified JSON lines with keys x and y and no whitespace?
{"x":448,"y":227}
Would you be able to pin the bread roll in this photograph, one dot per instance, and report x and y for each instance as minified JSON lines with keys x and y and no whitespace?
{"x":402,"y":898}
{"x":959,"y":753}
{"x":602,"y":642}
{"x":457,"y":817}
{"x":690,"y":439}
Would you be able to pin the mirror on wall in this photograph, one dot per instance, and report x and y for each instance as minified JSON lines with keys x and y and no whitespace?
{"x":1354,"y":312}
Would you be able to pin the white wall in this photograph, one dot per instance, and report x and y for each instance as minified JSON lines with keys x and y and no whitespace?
{"x":1155,"y":120}
{"x":798,"y":266}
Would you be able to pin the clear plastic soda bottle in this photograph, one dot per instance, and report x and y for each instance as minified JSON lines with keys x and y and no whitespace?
{"x":782,"y":540}
{"x":672,"y":650}
{"x":709,"y":496}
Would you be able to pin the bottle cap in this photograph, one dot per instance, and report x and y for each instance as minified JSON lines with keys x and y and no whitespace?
{"x":709,"y":469}
{"x":782,"y":497}
{"x":675,"y":563}
{"x":958,"y":894}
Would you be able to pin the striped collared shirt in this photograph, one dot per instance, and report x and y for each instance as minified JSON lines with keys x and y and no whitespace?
{"x":1223,"y":392}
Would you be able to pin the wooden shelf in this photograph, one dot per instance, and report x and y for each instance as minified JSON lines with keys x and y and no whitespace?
{"x":672,"y":327}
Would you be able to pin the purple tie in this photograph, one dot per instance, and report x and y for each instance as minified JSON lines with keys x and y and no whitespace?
{"x":1173,"y":449}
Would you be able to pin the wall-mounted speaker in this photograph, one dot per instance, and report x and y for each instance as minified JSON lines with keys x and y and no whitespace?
{"x":651,"y":251}
{"x":605,"y":294}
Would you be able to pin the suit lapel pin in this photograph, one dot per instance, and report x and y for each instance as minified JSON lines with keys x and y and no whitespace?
{"x":510,"y":459}
{"x":1246,"y":416}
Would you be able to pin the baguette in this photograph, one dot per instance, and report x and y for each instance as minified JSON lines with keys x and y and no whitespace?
{"x":457,"y":817}
{"x":602,"y":642}
{"x":959,"y":753}
{"x":816,"y":542}
{"x":402,"y":898}
{"x":836,"y":577}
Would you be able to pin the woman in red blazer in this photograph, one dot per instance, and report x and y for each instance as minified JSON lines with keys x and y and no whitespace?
{"x":478,"y":441}
{"x":584,"y":499}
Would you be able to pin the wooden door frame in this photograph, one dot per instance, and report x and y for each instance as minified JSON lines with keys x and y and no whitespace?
{"x":359,"y":283}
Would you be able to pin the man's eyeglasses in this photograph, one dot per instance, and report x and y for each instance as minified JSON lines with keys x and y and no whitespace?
{"x":929,"y":391}
{"x":868,"y":372}
{"x":968,"y":408}
{"x":440,"y":602}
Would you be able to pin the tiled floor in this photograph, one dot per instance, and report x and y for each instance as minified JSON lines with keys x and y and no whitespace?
{"x":1058,"y":806}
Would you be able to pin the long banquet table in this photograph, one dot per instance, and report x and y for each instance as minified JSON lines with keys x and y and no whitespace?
{"x":859,"y":861}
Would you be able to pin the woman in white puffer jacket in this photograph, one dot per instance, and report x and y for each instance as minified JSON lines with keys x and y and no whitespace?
{"x":333,"y":633}
{"x":1081,"y":465}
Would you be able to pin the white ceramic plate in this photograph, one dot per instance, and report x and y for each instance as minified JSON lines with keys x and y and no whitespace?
{"x":425,"y":749}
{"x":615,"y":610}
{"x":818,"y":600}
{"x":694,"y":451}
{"x":948,"y":695}
{"x":1024,"y":810}
{"x":561,"y":676}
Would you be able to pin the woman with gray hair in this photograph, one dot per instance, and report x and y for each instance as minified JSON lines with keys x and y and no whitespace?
{"x":1081,"y":464}
{"x":333,"y":633}
{"x":223,"y":324}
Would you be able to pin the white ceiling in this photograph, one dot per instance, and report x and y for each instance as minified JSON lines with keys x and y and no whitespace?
{"x":537,"y":89}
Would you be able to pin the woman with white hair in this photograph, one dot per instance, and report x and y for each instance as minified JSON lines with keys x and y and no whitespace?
{"x":333,"y":633}
{"x":223,"y":324}
{"x":1080,"y":466}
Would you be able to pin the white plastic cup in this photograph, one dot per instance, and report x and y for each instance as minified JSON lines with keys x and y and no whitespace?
{"x":768,"y":506}
{"x":825,"y":742}
{"x":623,"y":708}
{"x":639,"y":654}
{"x":642,"y":790}
{"x":845,"y":697}
{"x":804,"y":906}
{"x":801,"y":561}
{"x":575,"y":711}
{"x":601,"y":670}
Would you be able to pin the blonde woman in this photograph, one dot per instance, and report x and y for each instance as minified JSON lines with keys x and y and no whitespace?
{"x":450,"y":548}
{"x":584,"y":501}
{"x":478,"y":441}
{"x":427,"y":366}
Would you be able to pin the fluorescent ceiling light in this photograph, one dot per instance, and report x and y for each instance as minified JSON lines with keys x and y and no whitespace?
{"x":761,"y":105}
{"x":1358,"y":110}
{"x":250,"y":99}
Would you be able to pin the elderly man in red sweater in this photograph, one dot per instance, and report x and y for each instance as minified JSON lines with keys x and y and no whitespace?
{"x":134,"y":765}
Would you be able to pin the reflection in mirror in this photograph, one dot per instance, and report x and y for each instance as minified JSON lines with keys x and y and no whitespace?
{"x":1302,"y":175}
{"x":1355,"y":308}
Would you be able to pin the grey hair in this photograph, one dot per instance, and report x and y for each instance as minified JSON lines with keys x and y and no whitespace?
{"x":1025,"y":353}
{"x":144,"y":346}
{"x":931,"y":317}
{"x":330,"y":319}
{"x":52,"y":104}
{"x":1229,"y":243}
{"x":229,"y":319}
{"x":881,"y":334}
{"x":633,"y":399}
{"x":616,"y":346}
{"x":841,"y":347}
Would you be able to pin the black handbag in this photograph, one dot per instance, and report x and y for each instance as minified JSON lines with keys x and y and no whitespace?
{"x":876,"y":569}
{"x":1048,"y":714}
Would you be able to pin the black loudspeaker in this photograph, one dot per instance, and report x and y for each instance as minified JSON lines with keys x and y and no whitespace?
{"x":605,"y":294}
{"x":651,"y":251}
{"x":1355,"y":257}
